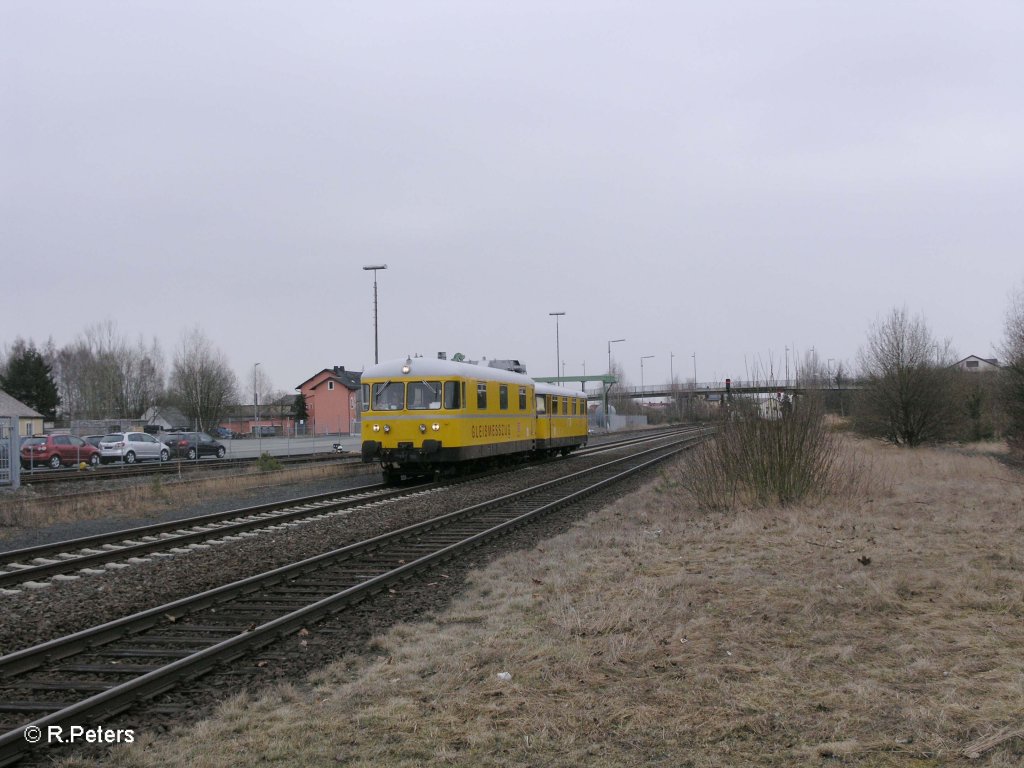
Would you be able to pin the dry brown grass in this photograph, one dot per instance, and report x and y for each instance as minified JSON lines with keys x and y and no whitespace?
{"x":30,"y":509}
{"x":654,"y":635}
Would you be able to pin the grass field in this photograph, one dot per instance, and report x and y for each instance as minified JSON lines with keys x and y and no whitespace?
{"x":882,"y":629}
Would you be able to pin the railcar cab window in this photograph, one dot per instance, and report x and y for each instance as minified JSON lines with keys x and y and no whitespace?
{"x":424,"y":395}
{"x":503,"y":397}
{"x":452,"y":398}
{"x":541,"y":407}
{"x":388,"y":396}
{"x":365,"y":404}
{"x":481,"y":396}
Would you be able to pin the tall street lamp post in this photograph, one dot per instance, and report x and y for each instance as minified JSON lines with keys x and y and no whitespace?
{"x":642,"y":398}
{"x":375,"y":268}
{"x":256,"y":407}
{"x":558,"y":349}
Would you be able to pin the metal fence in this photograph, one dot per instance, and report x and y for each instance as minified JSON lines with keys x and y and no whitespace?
{"x":9,"y":455}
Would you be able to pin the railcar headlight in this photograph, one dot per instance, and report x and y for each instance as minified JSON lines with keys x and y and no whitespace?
{"x":387,"y":428}
{"x":376,"y":427}
{"x":423,"y":428}
{"x":435,"y":426}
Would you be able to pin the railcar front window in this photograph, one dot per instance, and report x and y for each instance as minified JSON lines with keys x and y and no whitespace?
{"x":452,"y":401}
{"x":424,"y":395}
{"x":388,"y":396}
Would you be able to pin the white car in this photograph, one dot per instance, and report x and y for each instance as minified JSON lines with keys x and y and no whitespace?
{"x":131,"y":447}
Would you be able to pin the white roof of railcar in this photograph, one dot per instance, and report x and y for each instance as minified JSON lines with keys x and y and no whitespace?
{"x":432,"y":368}
{"x":544,"y":388}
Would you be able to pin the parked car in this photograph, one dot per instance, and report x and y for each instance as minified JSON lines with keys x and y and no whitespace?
{"x":223,"y":433}
{"x":57,"y":450}
{"x":193,"y":445}
{"x":131,"y":447}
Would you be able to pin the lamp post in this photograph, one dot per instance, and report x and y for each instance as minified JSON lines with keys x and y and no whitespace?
{"x":694,"y":356}
{"x":642,"y":398}
{"x":256,"y":407}
{"x":607,"y":386}
{"x":375,"y":268}
{"x":558,"y":349}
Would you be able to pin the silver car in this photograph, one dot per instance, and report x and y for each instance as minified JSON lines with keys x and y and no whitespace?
{"x":131,"y":447}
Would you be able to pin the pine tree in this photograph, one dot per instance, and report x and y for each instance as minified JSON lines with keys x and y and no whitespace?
{"x":29,"y":378}
{"x":299,"y":410}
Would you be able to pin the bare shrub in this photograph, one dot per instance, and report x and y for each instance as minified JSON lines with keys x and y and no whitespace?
{"x":763,"y":461}
{"x":907,"y":390}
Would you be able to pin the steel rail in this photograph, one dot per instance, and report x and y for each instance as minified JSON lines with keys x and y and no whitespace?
{"x":46,"y":476}
{"x":121,"y":696}
{"x":182,"y":533}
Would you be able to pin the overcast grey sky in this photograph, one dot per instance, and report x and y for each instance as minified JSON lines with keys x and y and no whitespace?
{"x":713,"y":179}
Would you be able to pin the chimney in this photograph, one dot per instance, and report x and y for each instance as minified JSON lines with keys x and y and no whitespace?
{"x":442,"y":355}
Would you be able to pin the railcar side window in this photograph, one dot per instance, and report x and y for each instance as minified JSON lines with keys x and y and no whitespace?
{"x":481,"y":395}
{"x":522,"y":398}
{"x":452,"y":401}
{"x":388,"y":396}
{"x":503,"y":397}
{"x":424,"y":395}
{"x":541,"y":410}
{"x":366,"y":397}
{"x":554,"y":406}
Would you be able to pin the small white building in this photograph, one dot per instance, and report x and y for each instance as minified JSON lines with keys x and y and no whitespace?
{"x":975,"y":364}
{"x":30,"y":421}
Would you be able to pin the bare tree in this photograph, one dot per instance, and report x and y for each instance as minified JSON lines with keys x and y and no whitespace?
{"x":102,"y":375}
{"x":202,"y":382}
{"x":1012,"y":375}
{"x":907,"y":391}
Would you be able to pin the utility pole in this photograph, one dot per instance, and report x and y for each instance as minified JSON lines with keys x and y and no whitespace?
{"x":375,"y":268}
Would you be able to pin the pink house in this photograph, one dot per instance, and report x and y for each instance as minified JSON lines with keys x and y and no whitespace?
{"x":332,"y":401}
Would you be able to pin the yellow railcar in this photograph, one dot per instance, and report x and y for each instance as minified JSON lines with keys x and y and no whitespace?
{"x":561,"y":419}
{"x":422,"y":415}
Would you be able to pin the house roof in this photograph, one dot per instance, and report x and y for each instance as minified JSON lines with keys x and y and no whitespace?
{"x":166,"y":413}
{"x":9,"y":406}
{"x":338,"y":373}
{"x":989,"y":360}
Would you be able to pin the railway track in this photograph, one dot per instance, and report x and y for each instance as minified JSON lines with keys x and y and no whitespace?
{"x":44,"y":476}
{"x":26,"y":567}
{"x":91,"y":675}
{"x":30,"y":567}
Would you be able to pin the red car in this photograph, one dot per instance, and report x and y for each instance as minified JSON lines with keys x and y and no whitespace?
{"x":56,"y":450}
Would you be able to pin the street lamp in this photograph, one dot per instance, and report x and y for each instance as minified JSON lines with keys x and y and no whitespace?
{"x":255,"y":398}
{"x":558,"y":349}
{"x":645,"y":357}
{"x":607,"y":385}
{"x":374,"y":268}
{"x":694,"y":356}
